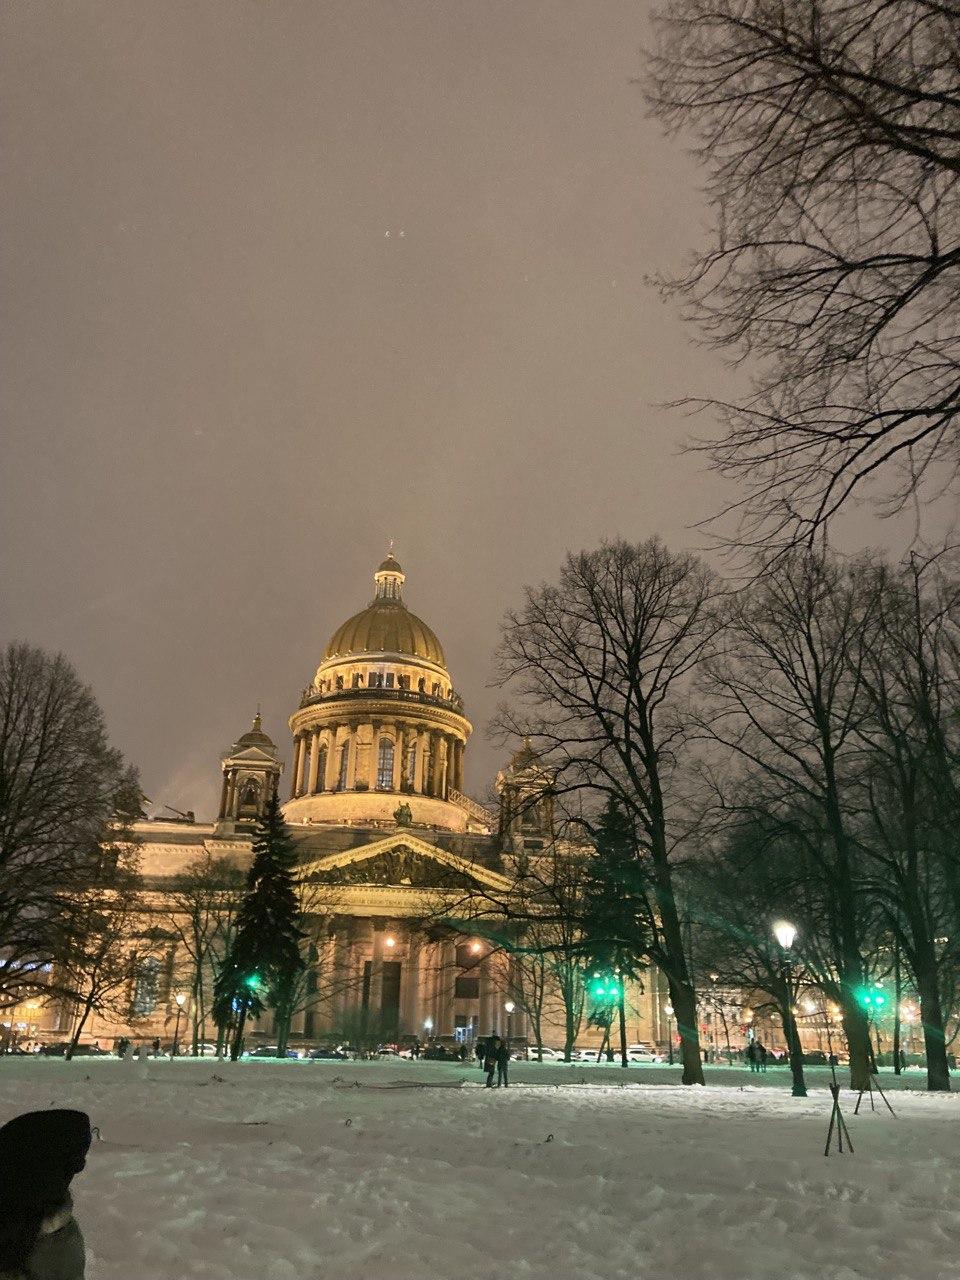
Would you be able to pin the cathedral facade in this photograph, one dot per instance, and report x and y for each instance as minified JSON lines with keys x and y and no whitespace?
{"x":394,"y":862}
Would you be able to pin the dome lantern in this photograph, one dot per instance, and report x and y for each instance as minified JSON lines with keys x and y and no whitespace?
{"x":389,"y":579}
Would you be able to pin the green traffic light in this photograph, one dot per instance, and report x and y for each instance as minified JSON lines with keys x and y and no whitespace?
{"x":253,"y":981}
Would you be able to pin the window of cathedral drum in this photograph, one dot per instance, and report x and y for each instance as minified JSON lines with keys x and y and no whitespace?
{"x":344,"y":762}
{"x":146,"y":987}
{"x":321,"y":768}
{"x":385,"y":765}
{"x":389,"y":680}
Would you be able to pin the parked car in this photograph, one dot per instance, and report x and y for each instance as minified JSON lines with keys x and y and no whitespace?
{"x":269,"y":1051}
{"x":549,"y":1055}
{"x":640,"y":1053}
{"x":324,"y":1055}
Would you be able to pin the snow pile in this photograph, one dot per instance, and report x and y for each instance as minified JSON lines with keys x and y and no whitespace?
{"x":296,"y":1171}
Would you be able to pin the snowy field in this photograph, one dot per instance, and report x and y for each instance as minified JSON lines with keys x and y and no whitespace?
{"x":297,"y":1171}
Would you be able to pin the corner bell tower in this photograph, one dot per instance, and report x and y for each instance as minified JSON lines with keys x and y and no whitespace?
{"x":251,"y":775}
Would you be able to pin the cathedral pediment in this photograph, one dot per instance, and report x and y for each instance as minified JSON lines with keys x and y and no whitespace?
{"x":402,"y":862}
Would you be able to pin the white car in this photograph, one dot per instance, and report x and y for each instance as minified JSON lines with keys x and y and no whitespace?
{"x":549,"y":1055}
{"x":641,"y":1053}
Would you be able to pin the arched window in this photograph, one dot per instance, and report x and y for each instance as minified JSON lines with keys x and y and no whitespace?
{"x":344,"y":762}
{"x":322,"y":768}
{"x":146,"y":985}
{"x":385,"y":765}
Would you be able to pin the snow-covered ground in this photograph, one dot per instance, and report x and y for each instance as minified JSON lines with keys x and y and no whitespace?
{"x":301,"y":1170}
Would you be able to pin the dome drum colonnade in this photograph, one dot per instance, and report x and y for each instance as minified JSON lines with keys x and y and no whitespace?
{"x":380,"y":720}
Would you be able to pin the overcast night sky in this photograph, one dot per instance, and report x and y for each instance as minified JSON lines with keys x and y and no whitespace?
{"x":284,"y":281}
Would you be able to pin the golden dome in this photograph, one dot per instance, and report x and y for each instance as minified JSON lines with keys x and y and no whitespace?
{"x":386,"y":625}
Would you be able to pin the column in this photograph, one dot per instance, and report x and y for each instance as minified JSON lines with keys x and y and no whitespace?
{"x":448,"y":976}
{"x":459,"y":757}
{"x":398,"y":746}
{"x":351,"y":740}
{"x":232,"y":795}
{"x":333,"y":762}
{"x":487,"y":998}
{"x":435,"y":764}
{"x":295,"y":776}
{"x":374,"y":755}
{"x":418,"y":778}
{"x":411,"y":1021}
{"x":223,"y":797}
{"x":314,"y":762}
{"x":376,"y":976}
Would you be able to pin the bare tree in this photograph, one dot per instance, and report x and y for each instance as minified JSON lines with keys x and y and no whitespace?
{"x":830,"y":134}
{"x":100,"y":959}
{"x":61,"y":785}
{"x":910,"y":783}
{"x":789,"y":696}
{"x":201,"y":908}
{"x":601,"y":665}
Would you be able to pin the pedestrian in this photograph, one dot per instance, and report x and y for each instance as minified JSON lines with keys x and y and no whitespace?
{"x":762,"y":1055}
{"x":40,"y":1153}
{"x":752,"y":1057}
{"x":156,"y":1047}
{"x":503,"y":1062}
{"x":491,"y":1045}
{"x":415,"y":1051}
{"x":481,"y":1053}
{"x":903,"y":1060}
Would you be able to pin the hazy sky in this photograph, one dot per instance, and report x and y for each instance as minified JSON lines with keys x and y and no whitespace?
{"x":284,"y":281}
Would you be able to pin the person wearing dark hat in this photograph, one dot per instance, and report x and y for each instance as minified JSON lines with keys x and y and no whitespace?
{"x":40,"y":1153}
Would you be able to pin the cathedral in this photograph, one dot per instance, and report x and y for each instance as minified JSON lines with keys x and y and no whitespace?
{"x":390,"y":853}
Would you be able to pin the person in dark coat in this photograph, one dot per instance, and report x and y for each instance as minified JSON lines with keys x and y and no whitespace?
{"x":481,"y":1052}
{"x":503,"y":1062}
{"x":40,"y":1153}
{"x":490,"y":1059}
{"x":752,"y":1057}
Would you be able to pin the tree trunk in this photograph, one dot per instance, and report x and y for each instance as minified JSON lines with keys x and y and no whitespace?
{"x":284,"y":1017}
{"x":684,"y":1001}
{"x":237,"y":1043}
{"x":897,"y":996}
{"x":622,"y":1010}
{"x":934,"y":1037}
{"x":791,"y":1033}
{"x":81,"y":1023}
{"x":856,"y":1028}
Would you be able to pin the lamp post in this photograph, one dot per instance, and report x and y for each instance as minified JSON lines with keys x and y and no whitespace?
{"x":785,"y":934}
{"x":509,"y":1007}
{"x":181,"y":1000}
{"x":668,"y":1010}
{"x":427,"y":1027}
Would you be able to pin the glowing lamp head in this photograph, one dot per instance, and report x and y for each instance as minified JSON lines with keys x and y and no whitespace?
{"x":475,"y":947}
{"x":509,"y":1006}
{"x":668,"y":1010}
{"x":389,"y":942}
{"x":180,"y":998}
{"x":428,"y":1024}
{"x":785,"y":934}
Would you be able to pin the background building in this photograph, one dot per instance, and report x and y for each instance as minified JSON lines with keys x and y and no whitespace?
{"x":388,"y":845}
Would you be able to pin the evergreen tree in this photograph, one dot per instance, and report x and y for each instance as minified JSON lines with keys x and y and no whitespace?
{"x":615,"y":907}
{"x":265,"y":955}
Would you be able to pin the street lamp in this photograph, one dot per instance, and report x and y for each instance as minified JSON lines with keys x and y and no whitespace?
{"x":785,"y":934}
{"x":428,"y":1026}
{"x":509,"y":1006}
{"x":181,"y":1000}
{"x":668,"y":1010}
